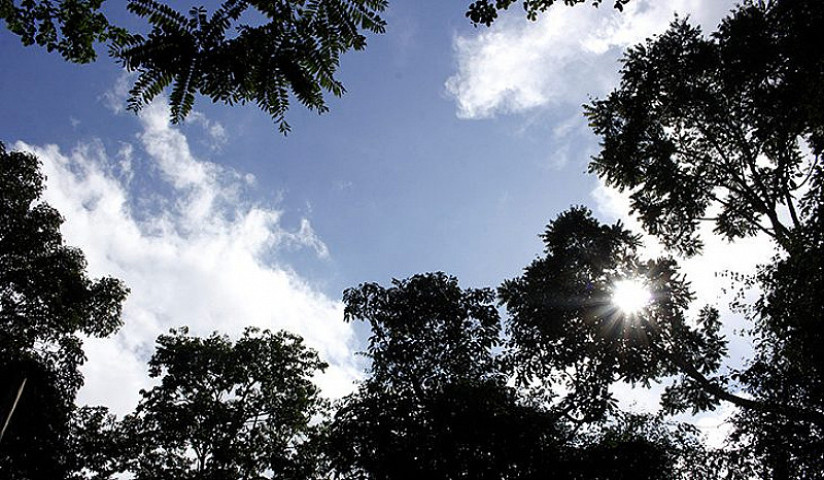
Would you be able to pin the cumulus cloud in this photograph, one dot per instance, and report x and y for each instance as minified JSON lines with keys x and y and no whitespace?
{"x":198,"y":254}
{"x":518,"y":65}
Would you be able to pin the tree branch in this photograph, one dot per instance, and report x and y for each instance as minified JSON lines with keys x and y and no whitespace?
{"x":788,"y":411}
{"x":13,"y":407}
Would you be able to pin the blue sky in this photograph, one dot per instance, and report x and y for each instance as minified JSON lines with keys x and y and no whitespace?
{"x":452,"y":149}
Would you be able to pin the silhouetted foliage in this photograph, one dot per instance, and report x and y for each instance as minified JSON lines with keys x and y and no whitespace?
{"x":98,"y":444}
{"x":225,"y":409}
{"x":486,"y":11}
{"x":262,"y":52}
{"x":254,"y":51}
{"x":788,"y":367}
{"x":432,"y":409}
{"x":637,"y":446}
{"x":47,"y":305}
{"x":70,"y":27}
{"x":295,"y":52}
{"x":34,"y":446}
{"x":720,"y":121}
{"x":732,"y":123}
{"x":565,"y":330}
{"x":435,"y":404}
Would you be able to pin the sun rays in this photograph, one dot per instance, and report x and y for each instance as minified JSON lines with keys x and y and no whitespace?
{"x":630,"y":296}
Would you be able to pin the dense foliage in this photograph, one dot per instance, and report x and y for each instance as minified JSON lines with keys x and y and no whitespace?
{"x":486,"y":11}
{"x":724,"y":128}
{"x":728,"y":129}
{"x":720,"y":122}
{"x":226,"y":409}
{"x":260,"y":52}
{"x":565,"y":330}
{"x":436,"y":403}
{"x":47,"y":305}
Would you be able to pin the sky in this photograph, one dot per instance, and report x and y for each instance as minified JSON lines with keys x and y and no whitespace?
{"x":452,"y":149}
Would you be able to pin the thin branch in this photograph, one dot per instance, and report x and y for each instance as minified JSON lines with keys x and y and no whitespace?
{"x":788,"y":411}
{"x":13,"y":407}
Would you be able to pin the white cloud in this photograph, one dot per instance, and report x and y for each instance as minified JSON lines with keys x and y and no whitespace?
{"x":716,"y":426}
{"x":568,"y":53}
{"x":196,"y":259}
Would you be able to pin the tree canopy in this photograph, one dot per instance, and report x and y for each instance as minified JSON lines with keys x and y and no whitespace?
{"x":725,"y":128}
{"x":486,"y":11}
{"x":260,"y":52}
{"x":565,"y":327}
{"x":47,"y":305}
{"x":701,"y":124}
{"x":728,"y":129}
{"x":226,"y":409}
{"x":436,"y":402}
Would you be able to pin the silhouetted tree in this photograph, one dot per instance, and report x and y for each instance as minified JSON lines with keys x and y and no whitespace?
{"x":47,"y":305}
{"x":225,"y":409}
{"x":486,"y":11}
{"x":98,"y":444}
{"x":70,"y":27}
{"x":732,"y":124}
{"x":700,"y":122}
{"x":435,"y":404}
{"x":639,"y":446}
{"x":565,"y":330}
{"x":260,"y":52}
{"x":788,"y":367}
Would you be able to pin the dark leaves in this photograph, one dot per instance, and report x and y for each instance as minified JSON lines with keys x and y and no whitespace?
{"x":486,"y":11}
{"x":47,"y":305}
{"x":707,"y":122}
{"x":294,"y":53}
{"x":70,"y":27}
{"x":225,"y":408}
{"x":564,"y":329}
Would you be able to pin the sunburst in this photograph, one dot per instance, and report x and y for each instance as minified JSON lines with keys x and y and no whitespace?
{"x":630,"y":296}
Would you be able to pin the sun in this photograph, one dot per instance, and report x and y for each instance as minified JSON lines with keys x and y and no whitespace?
{"x":630,"y":296}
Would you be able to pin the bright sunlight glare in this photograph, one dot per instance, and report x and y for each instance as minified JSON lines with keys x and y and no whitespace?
{"x":630,"y":296}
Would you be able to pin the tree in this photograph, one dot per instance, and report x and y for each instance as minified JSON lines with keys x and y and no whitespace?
{"x":788,"y":367}
{"x":72,"y":27}
{"x":486,"y":11}
{"x":732,"y":124}
{"x":224,"y":409}
{"x":641,"y":446}
{"x":47,"y":303}
{"x":565,"y":330}
{"x":435,"y":404}
{"x":717,"y":122}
